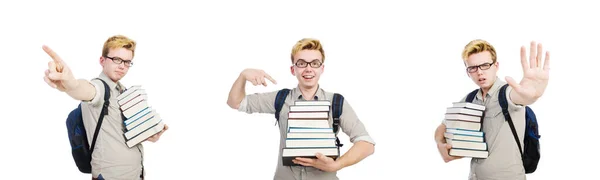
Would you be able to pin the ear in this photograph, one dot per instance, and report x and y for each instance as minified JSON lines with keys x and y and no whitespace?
{"x":102,"y":61}
{"x":292,"y":70}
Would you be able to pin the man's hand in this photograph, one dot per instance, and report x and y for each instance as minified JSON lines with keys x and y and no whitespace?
{"x":444,"y":149}
{"x":257,"y":77}
{"x":535,"y":77}
{"x":322,"y":162}
{"x":58,"y":75}
{"x":155,"y":137}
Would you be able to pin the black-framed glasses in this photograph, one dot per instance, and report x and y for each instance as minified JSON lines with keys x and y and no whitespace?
{"x":118,"y":60}
{"x":484,"y":66}
{"x":313,"y":64}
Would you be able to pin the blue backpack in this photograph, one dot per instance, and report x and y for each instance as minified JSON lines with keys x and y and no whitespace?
{"x":531,"y":154}
{"x":80,"y":149}
{"x":336,"y":107}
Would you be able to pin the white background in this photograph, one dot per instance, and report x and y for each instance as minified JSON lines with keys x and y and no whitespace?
{"x":399,"y":65}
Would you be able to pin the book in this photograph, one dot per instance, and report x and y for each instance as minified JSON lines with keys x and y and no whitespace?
{"x":309,"y":132}
{"x":464,"y":130}
{"x":141,"y":120}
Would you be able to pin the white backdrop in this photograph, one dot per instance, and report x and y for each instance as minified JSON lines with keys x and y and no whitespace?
{"x":399,"y":65}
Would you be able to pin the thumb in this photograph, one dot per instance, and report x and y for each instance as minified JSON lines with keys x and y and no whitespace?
{"x":512,"y":83}
{"x":321,"y":157}
{"x":448,"y":146}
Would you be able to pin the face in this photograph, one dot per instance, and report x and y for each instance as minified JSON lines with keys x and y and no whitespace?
{"x":116,"y":71}
{"x":308,"y":77}
{"x":483,"y":78}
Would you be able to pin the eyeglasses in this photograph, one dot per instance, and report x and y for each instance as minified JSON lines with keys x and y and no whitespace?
{"x":484,"y":66}
{"x":118,"y":60}
{"x":313,"y":64}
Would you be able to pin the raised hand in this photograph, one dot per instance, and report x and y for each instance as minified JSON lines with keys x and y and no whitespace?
{"x":322,"y":162}
{"x":535,"y":77}
{"x":58,"y":75}
{"x":257,"y":77}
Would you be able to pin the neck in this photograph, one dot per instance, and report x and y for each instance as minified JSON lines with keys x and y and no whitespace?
{"x":309,"y":93}
{"x":484,"y":91}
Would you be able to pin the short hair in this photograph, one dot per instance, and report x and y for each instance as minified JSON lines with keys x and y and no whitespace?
{"x":308,"y":44}
{"x":477,"y":46}
{"x":118,"y":41}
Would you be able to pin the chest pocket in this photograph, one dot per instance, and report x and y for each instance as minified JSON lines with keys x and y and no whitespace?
{"x":493,"y":121}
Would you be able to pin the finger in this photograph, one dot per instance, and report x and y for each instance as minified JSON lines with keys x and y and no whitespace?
{"x":302,"y":163}
{"x":532,"y":53}
{"x":524,"y":58}
{"x":54,"y":57}
{"x":539,"y":56}
{"x":55,"y":76}
{"x":270,"y":78}
{"x":49,"y":82}
{"x":261,"y":81}
{"x":166,"y":127}
{"x":547,"y":61}
{"x":306,"y":160}
{"x":448,"y":146}
{"x":52,"y":66}
{"x":512,"y":83}
{"x":253,"y":81}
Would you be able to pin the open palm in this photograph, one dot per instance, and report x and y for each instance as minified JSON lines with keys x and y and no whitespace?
{"x":535,"y":77}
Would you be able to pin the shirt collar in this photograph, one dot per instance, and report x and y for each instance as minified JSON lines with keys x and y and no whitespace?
{"x":495,"y":87}
{"x":318,"y":94}
{"x":111,"y":84}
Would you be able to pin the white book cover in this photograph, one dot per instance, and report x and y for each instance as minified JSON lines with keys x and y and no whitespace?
{"x":145,"y":135}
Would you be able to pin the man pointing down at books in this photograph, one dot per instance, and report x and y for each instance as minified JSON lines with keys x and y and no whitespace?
{"x":308,"y":147}
{"x":111,"y":157}
{"x":503,"y":157}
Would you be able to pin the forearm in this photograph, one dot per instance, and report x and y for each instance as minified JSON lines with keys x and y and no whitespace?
{"x":359,"y":151}
{"x":84,"y":91}
{"x":439,"y":133}
{"x":237,"y":93}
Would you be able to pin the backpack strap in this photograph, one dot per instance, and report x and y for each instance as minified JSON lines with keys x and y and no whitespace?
{"x":102,"y":113}
{"x":472,"y":95}
{"x":337,"y":106}
{"x":504,"y":104}
{"x":279,"y":101}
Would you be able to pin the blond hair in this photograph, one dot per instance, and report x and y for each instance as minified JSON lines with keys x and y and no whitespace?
{"x":118,"y":41}
{"x":477,"y":46}
{"x":308,"y":44}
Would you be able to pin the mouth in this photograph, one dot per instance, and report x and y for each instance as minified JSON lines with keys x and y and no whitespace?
{"x":482,"y":80}
{"x":308,"y":76}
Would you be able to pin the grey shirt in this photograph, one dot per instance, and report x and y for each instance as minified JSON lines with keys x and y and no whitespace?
{"x":111,"y":157}
{"x":504,"y":160}
{"x":349,"y":124}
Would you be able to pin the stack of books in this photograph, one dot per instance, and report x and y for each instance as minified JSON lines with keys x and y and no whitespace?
{"x":309,"y":132}
{"x":141,"y":121}
{"x":463,"y":130}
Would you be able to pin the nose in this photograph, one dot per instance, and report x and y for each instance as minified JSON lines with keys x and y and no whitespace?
{"x":479,"y":71}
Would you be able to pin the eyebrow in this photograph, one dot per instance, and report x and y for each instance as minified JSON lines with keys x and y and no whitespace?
{"x":310,"y":61}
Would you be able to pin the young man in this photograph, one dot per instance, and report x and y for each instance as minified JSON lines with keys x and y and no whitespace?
{"x":504,"y":160}
{"x":307,"y":58}
{"x":111,"y":158}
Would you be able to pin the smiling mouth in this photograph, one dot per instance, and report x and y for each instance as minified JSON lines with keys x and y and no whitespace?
{"x":308,"y":76}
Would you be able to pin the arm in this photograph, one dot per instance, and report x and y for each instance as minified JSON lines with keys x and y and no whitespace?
{"x":359,"y":151}
{"x":535,"y":78}
{"x":83,"y":90}
{"x":238,"y":89}
{"x":440,"y":141}
{"x":237,"y":92}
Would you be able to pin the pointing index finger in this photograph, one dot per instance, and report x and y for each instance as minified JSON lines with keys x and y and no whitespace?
{"x":57,"y":60}
{"x":270,"y":78}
